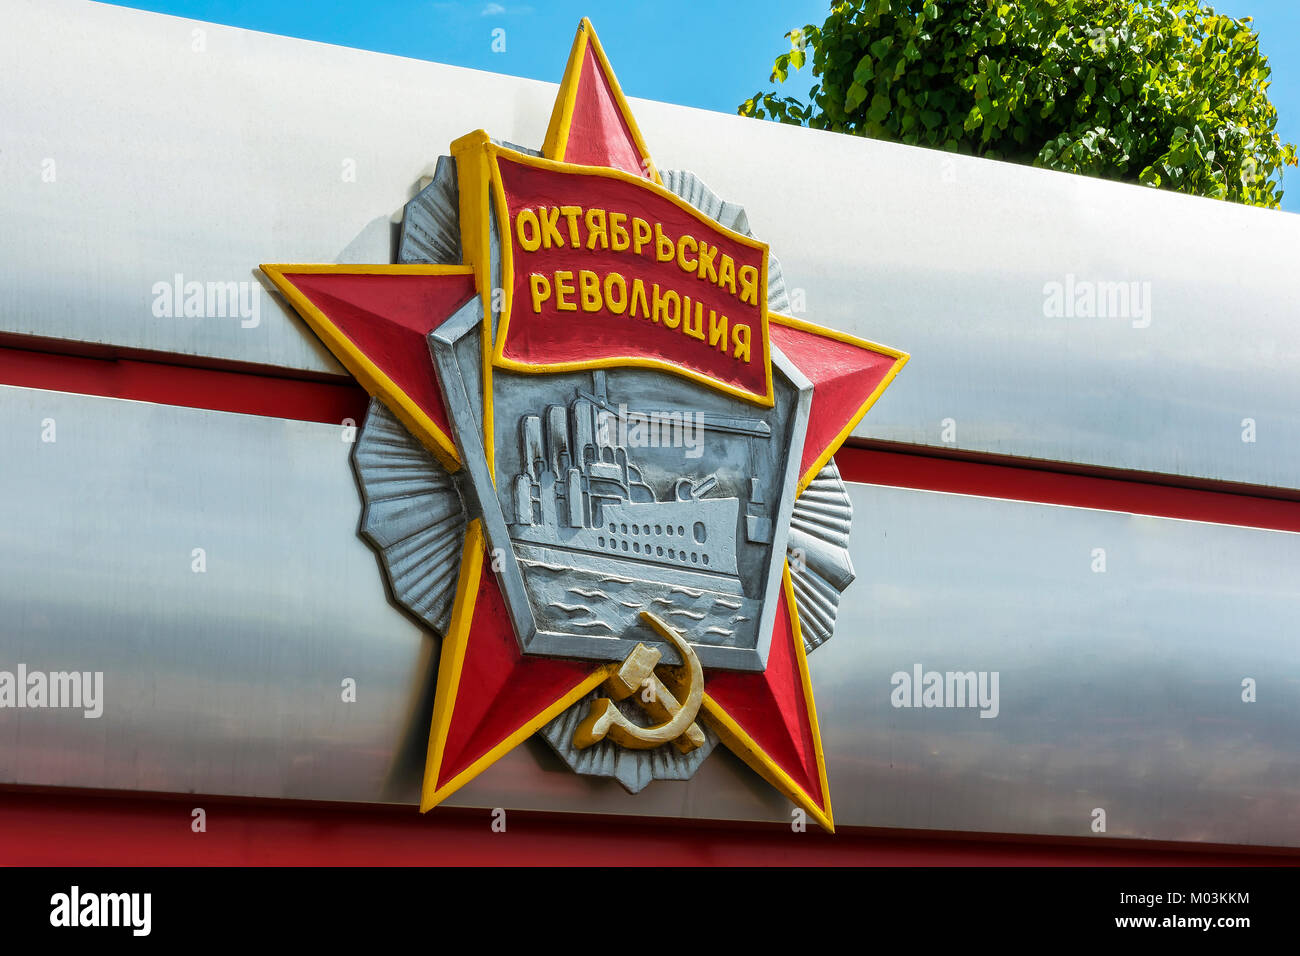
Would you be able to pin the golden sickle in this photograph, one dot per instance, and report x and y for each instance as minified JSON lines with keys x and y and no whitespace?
{"x":678,"y":727}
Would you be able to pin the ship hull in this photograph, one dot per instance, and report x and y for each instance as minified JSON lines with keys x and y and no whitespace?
{"x":678,"y":536}
{"x":618,"y":568}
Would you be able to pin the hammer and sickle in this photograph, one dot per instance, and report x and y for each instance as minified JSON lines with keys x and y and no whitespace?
{"x":677,"y":724}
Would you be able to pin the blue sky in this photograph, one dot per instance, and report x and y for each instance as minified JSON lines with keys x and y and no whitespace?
{"x":703,"y":53}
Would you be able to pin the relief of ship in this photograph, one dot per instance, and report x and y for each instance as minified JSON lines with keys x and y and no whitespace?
{"x":582,"y":494}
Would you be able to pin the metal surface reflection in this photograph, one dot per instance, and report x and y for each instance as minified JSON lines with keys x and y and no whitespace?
{"x":1118,"y":689}
{"x":947,"y":256}
{"x":227,"y":680}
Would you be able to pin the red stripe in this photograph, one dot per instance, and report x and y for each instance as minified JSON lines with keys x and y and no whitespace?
{"x":1237,"y":506}
{"x":260,"y":394}
{"x":116,"y":829}
{"x":192,"y":387}
{"x":254,"y":393}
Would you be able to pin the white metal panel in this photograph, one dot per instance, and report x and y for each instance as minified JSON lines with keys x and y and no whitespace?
{"x":170,"y":161}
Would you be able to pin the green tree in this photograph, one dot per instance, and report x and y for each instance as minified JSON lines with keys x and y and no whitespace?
{"x":1169,"y":93}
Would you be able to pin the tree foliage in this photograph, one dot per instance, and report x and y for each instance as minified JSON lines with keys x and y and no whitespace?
{"x":1162,"y":92}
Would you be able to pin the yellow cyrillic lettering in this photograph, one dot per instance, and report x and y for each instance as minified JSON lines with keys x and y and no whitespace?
{"x":727,"y":273}
{"x":596,"y":230}
{"x":717,"y":330}
{"x":589,"y":290}
{"x":571,"y":213}
{"x":665,"y":251}
{"x":749,"y":285}
{"x":527,"y":217}
{"x":687,"y":265}
{"x":707,"y":254}
{"x":661,"y":313}
{"x":618,"y":237}
{"x":638,"y":295}
{"x":540,"y":288}
{"x":698,"y":330}
{"x":640,"y":234}
{"x":550,"y":226}
{"x":615,"y":283}
{"x":739,"y":341}
{"x":563,"y":287}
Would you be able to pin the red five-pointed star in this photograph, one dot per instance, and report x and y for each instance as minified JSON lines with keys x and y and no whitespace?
{"x":490,"y":697}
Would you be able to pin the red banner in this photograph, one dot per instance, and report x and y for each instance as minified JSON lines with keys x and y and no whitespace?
{"x":608,"y":269}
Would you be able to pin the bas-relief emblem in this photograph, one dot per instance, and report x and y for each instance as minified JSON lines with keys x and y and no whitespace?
{"x":597,"y":460}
